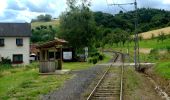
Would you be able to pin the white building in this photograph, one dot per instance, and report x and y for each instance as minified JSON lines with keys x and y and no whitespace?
{"x":15,"y":42}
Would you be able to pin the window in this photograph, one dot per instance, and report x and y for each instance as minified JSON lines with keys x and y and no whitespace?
{"x":17,"y":58}
{"x":1,"y":42}
{"x":19,"y":42}
{"x":51,"y":56}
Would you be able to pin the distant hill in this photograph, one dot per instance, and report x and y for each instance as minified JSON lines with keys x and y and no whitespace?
{"x":148,"y":19}
{"x":148,"y":35}
{"x":54,"y":23}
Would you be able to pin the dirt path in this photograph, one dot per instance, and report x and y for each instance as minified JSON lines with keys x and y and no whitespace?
{"x":73,"y":89}
{"x":138,"y":87}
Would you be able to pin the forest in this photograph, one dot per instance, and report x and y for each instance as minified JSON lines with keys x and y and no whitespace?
{"x":95,"y":29}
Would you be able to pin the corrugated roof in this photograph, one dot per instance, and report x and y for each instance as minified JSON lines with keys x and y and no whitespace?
{"x":15,"y":30}
{"x":53,"y":43}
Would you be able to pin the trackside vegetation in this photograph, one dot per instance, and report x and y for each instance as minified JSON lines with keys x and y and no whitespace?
{"x":24,"y":82}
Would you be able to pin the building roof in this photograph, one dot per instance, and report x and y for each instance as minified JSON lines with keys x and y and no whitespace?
{"x":54,"y":43}
{"x":33,"y":48}
{"x":15,"y":30}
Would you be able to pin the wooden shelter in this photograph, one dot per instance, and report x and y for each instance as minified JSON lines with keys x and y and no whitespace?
{"x":51,"y":55}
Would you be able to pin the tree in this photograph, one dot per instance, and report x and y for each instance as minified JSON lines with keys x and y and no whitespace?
{"x":161,"y":37}
{"x":148,"y":18}
{"x":43,"y":34}
{"x":43,"y":18}
{"x":77,"y":25}
{"x":153,"y":36}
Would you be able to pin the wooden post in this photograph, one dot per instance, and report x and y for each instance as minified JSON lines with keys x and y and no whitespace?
{"x":46,"y":55}
{"x":41,"y":55}
{"x":60,"y":60}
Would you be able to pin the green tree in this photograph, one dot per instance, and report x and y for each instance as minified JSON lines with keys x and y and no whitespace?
{"x":77,"y":25}
{"x":43,"y":18}
{"x":43,"y":34}
{"x":161,"y":37}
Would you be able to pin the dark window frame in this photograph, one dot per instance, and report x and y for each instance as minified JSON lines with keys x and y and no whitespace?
{"x":19,"y":41}
{"x":2,"y":42}
{"x":14,"y":61}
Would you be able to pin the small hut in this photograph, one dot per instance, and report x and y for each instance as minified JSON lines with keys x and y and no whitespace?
{"x":51,"y":55}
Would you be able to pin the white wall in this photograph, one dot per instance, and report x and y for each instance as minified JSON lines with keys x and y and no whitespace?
{"x":11,"y":48}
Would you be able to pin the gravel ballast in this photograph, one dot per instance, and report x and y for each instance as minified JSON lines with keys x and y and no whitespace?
{"x":74,"y":87}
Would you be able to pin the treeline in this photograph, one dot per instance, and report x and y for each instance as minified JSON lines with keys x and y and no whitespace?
{"x":82,"y":27}
{"x":43,"y":33}
{"x":42,"y":18}
{"x":148,"y":19}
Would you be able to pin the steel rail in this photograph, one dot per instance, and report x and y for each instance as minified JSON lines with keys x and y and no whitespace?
{"x":91,"y":94}
{"x":102,"y":78}
{"x":121,"y":82}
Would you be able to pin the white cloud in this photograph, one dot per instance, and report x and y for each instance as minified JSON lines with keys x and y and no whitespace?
{"x":3,"y":5}
{"x":25,"y":10}
{"x":166,"y":1}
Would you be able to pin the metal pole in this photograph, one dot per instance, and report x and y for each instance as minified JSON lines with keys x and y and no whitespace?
{"x":128,"y":49}
{"x":136,"y":39}
{"x":136,"y":51}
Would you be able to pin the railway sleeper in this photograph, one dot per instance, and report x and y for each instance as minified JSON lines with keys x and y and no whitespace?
{"x":105,"y":98}
{"x":114,"y":91}
{"x":109,"y":87}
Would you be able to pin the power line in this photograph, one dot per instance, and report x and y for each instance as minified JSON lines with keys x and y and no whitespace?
{"x":136,"y":39}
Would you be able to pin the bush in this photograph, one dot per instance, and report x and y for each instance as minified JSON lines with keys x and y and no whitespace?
{"x":95,"y":59}
{"x":101,"y":57}
{"x":95,"y":54}
{"x":154,"y":55}
{"x":5,"y":61}
{"x":90,"y":59}
{"x":168,"y":49}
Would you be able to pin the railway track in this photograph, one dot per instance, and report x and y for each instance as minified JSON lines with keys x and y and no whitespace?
{"x":110,"y":86}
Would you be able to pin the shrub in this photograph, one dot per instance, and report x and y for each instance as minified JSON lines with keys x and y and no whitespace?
{"x":101,"y":57}
{"x":154,"y":55}
{"x":95,"y":54}
{"x":5,"y":61}
{"x":168,"y":48}
{"x":95,"y":59}
{"x":90,"y":59}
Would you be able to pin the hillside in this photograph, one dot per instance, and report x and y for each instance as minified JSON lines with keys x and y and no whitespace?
{"x":148,"y":35}
{"x":37,"y":24}
{"x":148,"y":19}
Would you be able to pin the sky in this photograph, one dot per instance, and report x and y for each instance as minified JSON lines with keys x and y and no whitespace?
{"x":25,"y":10}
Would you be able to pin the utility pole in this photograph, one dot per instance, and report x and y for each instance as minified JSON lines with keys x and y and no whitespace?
{"x":136,"y":51}
{"x":136,"y":38}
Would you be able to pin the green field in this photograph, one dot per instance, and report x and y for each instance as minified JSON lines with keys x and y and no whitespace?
{"x":83,"y":65}
{"x":163,"y":69}
{"x":152,"y":43}
{"x":26,"y":83}
{"x":54,"y":23}
{"x":159,"y":57}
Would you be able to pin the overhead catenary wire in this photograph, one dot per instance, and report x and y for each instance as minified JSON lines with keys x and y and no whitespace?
{"x":136,"y":39}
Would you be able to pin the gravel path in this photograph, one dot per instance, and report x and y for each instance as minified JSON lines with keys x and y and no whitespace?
{"x":73,"y":88}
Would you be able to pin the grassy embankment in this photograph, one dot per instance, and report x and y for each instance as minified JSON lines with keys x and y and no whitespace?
{"x":160,"y":53}
{"x":53,"y":23}
{"x":26,"y":83}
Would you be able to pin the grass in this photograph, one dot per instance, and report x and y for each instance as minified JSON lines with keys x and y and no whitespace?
{"x":132,"y":81}
{"x":152,"y":43}
{"x":83,"y":65}
{"x":162,"y":59}
{"x":163,"y":69}
{"x":148,"y":35}
{"x":77,"y":66}
{"x":53,"y":23}
{"x":24,"y":82}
